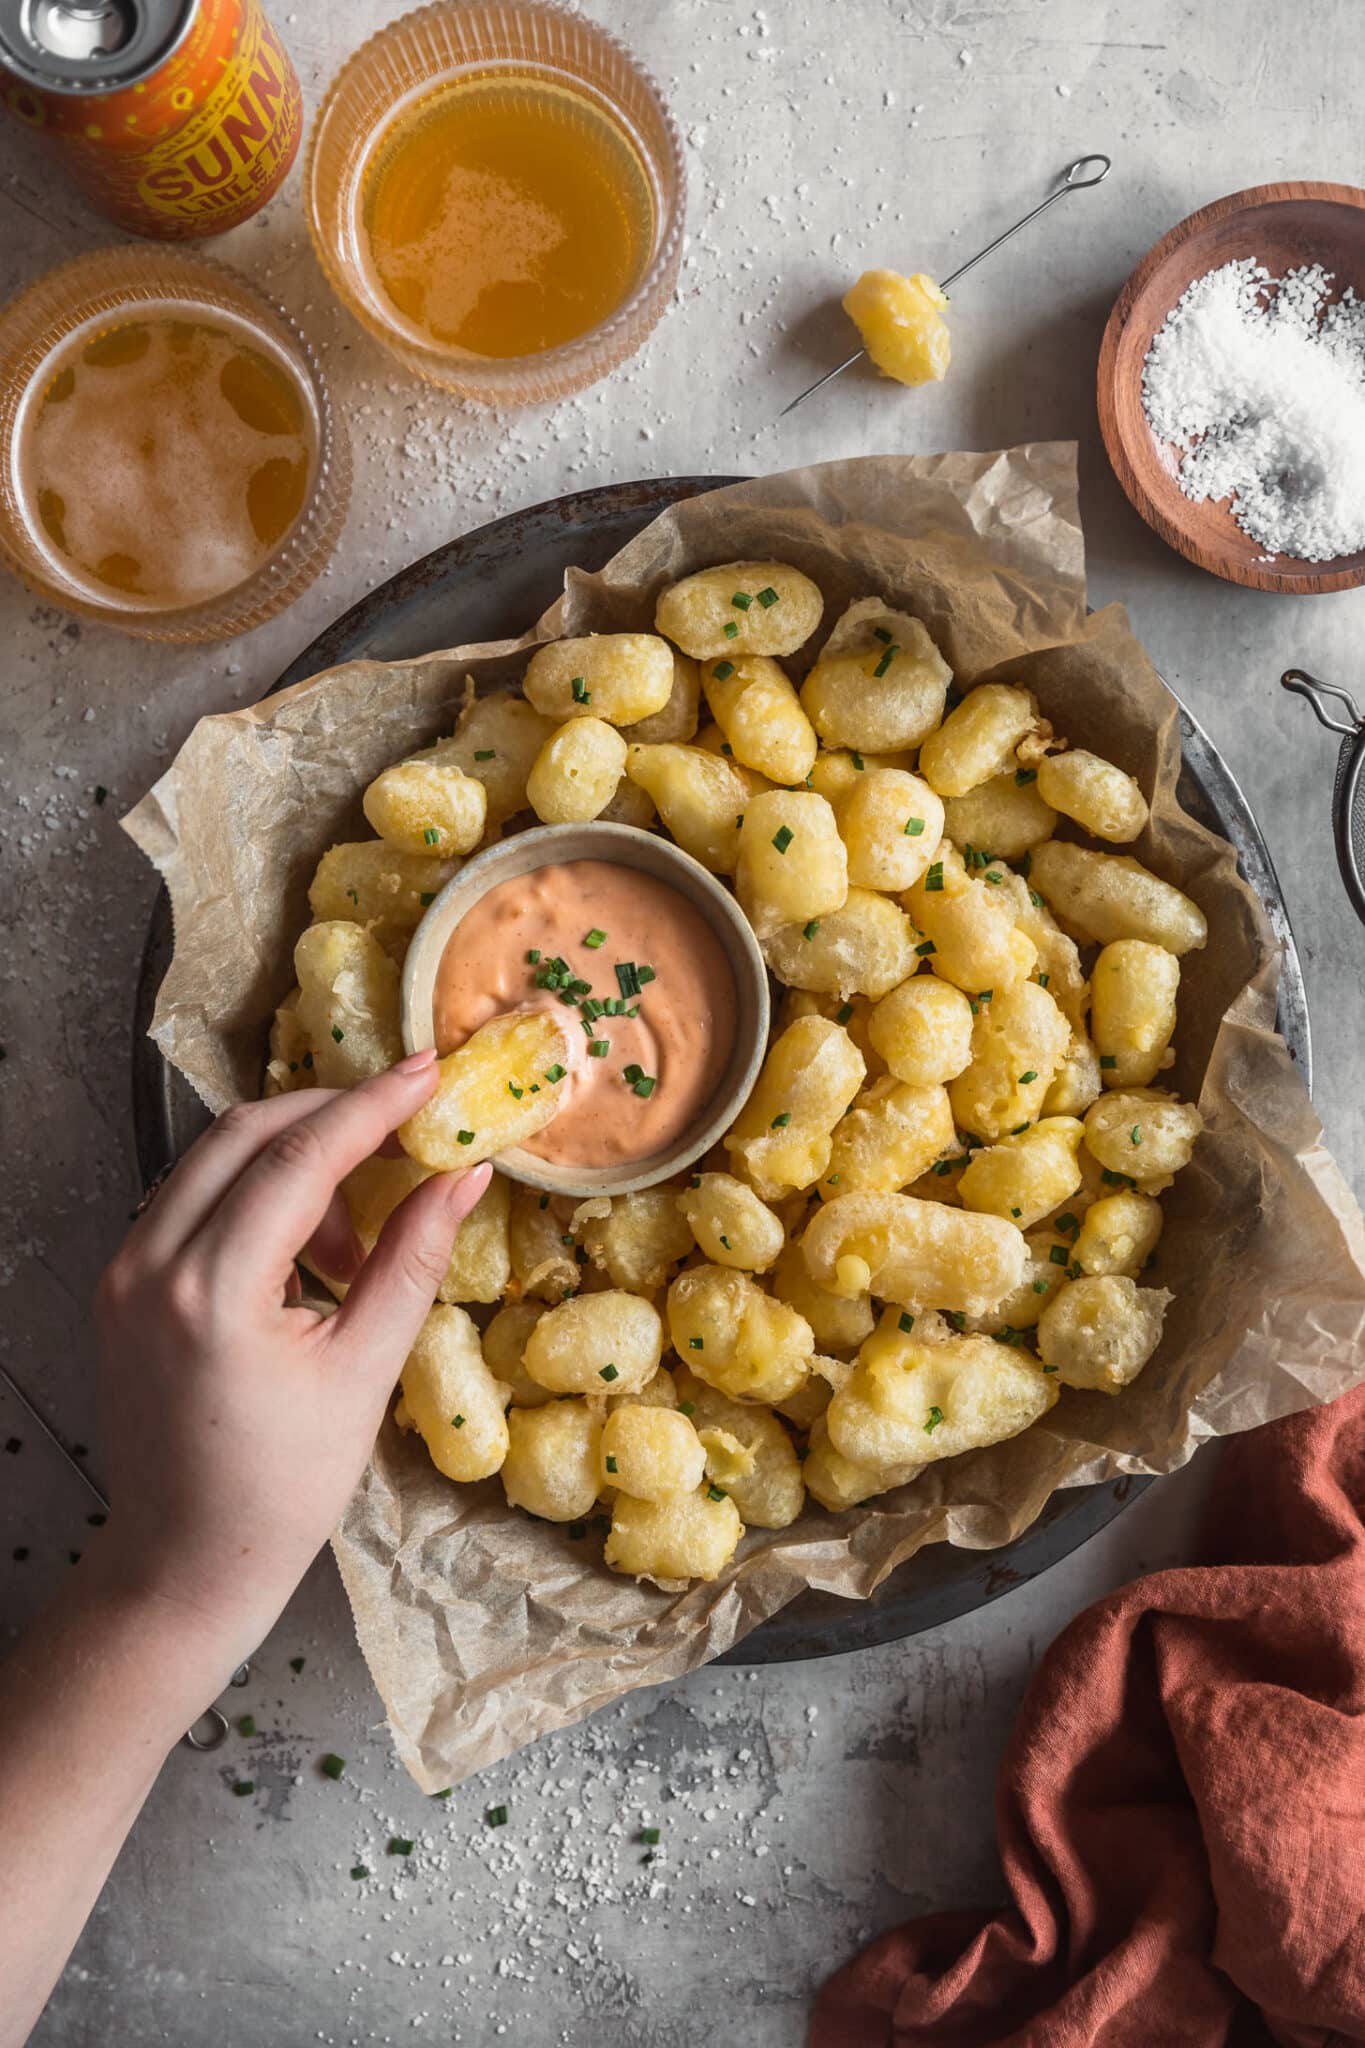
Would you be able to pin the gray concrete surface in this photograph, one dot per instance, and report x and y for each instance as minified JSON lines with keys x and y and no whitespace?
{"x":808,"y":1805}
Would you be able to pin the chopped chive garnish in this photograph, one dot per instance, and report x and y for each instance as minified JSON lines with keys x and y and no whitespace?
{"x":1135,"y":1135}
{"x":687,"y":1408}
{"x":1050,"y":1368}
{"x":457,"y":1422}
{"x":1036,"y":900}
{"x":598,"y":1048}
{"x":1023,"y":775}
{"x":634,"y":1072}
{"x":995,"y":878}
{"x":554,"y":1073}
{"x":497,"y":1816}
{"x":723,"y":671}
{"x":611,"y":1464}
{"x":880,"y":633}
{"x":696,"y":1344}
{"x":858,"y":761}
{"x":627,"y":979}
{"x":307,"y":1060}
{"x":727,"y":750}
{"x":925,"y":949}
{"x":1031,"y":1075}
{"x":730,"y":630}
{"x":332,"y":1766}
{"x":1019,"y":1129}
{"x":1016,"y":1212}
{"x":359,"y":1871}
{"x":594,"y":938}
{"x":246,"y":1724}
{"x":1068,"y":1222}
{"x":354,"y":895}
{"x":767,"y":597}
{"x":1109,"y":1059}
{"x":244,"y":1788}
{"x":726,"y":1242}
{"x":431,"y":834}
{"x":1116,"y":1180}
{"x":783,"y":838}
{"x":741,"y":600}
{"x":577,"y":1529}
{"x":513,"y":1090}
{"x":427,"y":896}
{"x":609,"y":1372}
{"x":779,"y":1123}
{"x":933,"y":881}
{"x":534,"y":956}
{"x":832,"y":1180}
{"x":715,"y":1493}
{"x":337,"y":1033}
{"x":646,"y":1085}
{"x":1040,"y":1286}
{"x":884,"y":664}
{"x":905,"y":1323}
{"x":1058,"y":1254}
{"x":465,"y":1137}
{"x":843,"y":1013}
{"x":398,"y":1845}
{"x":983,"y":995}
{"x":808,"y":931}
{"x":579,"y":691}
{"x":644,"y":974}
{"x":913,"y":827}
{"x":485,"y":753}
{"x":935,"y":1417}
{"x":739,"y":821}
{"x":1043,"y":980}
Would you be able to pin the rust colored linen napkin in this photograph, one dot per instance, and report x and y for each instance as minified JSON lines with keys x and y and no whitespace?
{"x":1181,"y":1809}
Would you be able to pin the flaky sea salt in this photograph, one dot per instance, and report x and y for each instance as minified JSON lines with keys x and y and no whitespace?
{"x":1260,"y":383}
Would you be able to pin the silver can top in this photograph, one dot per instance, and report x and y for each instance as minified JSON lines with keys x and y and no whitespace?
{"x":90,"y":46}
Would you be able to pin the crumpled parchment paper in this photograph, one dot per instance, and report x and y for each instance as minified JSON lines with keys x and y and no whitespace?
{"x":484,"y":1629}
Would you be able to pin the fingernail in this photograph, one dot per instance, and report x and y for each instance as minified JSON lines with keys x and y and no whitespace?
{"x":416,"y":1061}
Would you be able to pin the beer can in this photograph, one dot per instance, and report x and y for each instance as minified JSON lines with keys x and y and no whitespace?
{"x":177,"y":118}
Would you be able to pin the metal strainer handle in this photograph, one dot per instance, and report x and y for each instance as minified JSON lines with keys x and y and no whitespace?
{"x":1348,"y":793}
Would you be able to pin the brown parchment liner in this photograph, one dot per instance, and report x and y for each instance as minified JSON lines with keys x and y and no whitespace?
{"x":484,"y":1629}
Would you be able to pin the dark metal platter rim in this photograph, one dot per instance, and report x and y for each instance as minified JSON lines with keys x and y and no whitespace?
{"x":941,"y":1582}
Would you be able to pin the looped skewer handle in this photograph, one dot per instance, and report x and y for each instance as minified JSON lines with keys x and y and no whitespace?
{"x":1301,"y":684}
{"x":1073,"y":180}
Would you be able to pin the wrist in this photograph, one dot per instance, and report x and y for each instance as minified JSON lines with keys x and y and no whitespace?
{"x":183,"y":1652}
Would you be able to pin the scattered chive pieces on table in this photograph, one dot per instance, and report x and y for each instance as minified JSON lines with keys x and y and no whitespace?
{"x":243,"y":1788}
{"x":358,"y":1871}
{"x":100,"y":793}
{"x":445,"y":1794}
{"x":332,"y":1766}
{"x":297,"y":1663}
{"x":398,"y":1845}
{"x":246,"y":1724}
{"x":497,"y":1816}
{"x":649,"y":1835}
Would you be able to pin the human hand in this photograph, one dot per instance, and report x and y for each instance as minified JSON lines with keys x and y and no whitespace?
{"x":237,"y":1426}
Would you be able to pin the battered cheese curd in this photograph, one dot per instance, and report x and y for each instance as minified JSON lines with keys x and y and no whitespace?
{"x":645,"y":974}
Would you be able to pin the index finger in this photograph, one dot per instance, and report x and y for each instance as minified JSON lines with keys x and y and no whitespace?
{"x":277,"y":1203}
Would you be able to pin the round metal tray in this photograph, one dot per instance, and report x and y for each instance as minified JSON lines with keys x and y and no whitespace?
{"x":500,"y":577}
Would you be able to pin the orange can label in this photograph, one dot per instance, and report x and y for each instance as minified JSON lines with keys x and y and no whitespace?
{"x":194,"y":148}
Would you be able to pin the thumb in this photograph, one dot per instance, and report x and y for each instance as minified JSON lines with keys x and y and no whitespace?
{"x":388,"y":1300}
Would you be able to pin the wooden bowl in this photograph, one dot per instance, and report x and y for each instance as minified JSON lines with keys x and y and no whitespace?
{"x":543,"y":845}
{"x":1282,"y":227}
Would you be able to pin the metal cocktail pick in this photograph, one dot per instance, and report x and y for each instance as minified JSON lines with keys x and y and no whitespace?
{"x":1072,"y":181}
{"x":198,"y":1737}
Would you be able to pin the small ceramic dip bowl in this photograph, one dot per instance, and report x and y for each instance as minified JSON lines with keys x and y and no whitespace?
{"x":622,"y":846}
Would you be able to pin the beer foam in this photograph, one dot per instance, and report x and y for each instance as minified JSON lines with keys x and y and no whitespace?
{"x":144,"y":478}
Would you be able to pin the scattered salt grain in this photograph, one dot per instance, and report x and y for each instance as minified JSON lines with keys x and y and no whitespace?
{"x":1260,"y":383}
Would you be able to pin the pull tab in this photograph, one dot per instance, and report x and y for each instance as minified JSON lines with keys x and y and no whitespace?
{"x":1301,"y":684}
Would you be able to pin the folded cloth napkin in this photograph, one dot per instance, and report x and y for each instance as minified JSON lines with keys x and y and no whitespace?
{"x":1181,"y":1810}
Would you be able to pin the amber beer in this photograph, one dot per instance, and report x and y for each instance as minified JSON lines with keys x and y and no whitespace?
{"x":177,"y":118}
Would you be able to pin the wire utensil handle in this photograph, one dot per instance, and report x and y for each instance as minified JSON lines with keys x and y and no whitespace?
{"x":1348,"y":794}
{"x":1077,"y":177}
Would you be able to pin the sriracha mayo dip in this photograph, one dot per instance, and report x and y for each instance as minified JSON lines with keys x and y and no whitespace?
{"x":637,"y":973}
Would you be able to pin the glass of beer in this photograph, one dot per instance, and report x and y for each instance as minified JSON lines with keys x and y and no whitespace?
{"x":170,"y":461}
{"x":497,"y":193}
